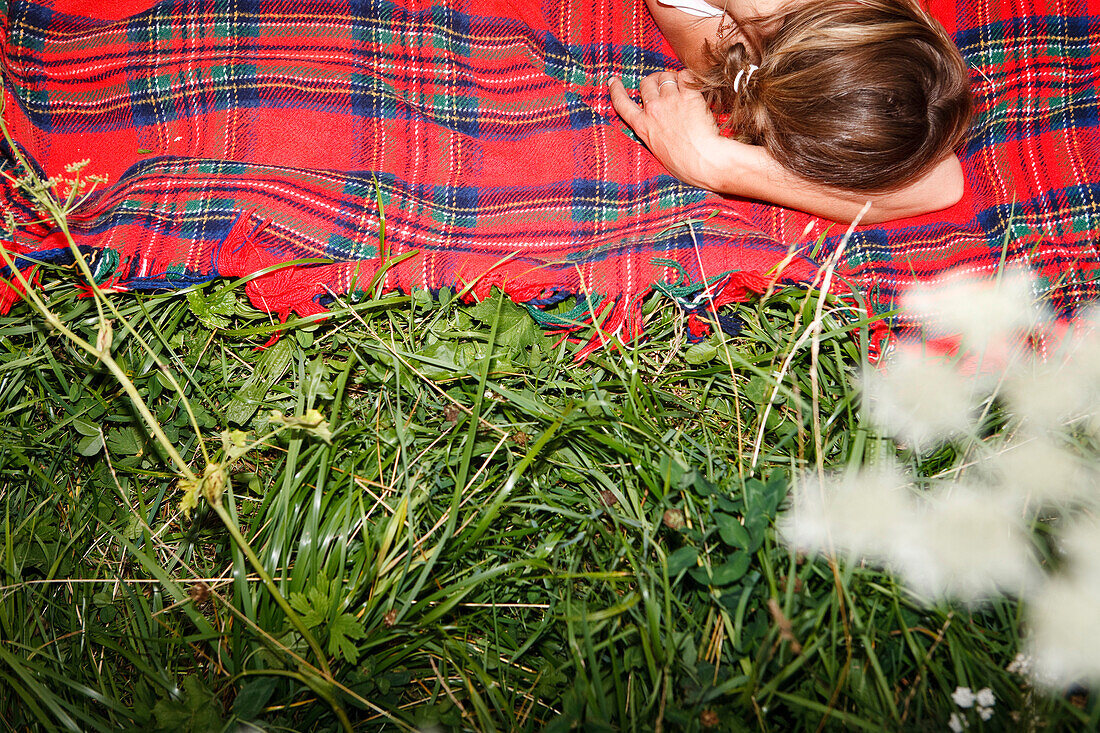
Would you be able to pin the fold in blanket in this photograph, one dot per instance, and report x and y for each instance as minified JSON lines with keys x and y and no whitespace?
{"x":241,"y":134}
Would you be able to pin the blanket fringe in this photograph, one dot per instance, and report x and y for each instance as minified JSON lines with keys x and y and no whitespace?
{"x":12,"y":290}
{"x":620,"y":320}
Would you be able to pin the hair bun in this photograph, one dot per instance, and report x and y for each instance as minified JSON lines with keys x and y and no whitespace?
{"x":725,"y":87}
{"x":743,"y":75}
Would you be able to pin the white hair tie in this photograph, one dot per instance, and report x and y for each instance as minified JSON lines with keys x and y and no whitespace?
{"x":737,"y":79}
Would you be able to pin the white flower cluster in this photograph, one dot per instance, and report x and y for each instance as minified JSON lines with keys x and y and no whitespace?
{"x":982,"y":701}
{"x":1020,"y":402}
{"x":1021,"y":665}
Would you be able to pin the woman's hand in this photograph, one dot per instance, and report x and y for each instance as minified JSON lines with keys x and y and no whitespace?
{"x":675,"y":124}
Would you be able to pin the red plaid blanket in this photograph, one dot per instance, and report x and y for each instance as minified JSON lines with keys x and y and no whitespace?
{"x":240,"y":134}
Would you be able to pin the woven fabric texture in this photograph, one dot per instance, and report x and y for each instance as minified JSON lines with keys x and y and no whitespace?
{"x":241,"y":134}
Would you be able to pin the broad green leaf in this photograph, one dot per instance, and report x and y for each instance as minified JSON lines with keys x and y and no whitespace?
{"x":775,"y":491}
{"x":125,"y":442}
{"x":732,"y":532}
{"x":681,"y":559}
{"x":757,"y":389}
{"x":270,"y":368}
{"x":516,"y":330}
{"x":197,"y":710}
{"x":731,"y":570}
{"x":85,"y":427}
{"x":675,"y":472}
{"x":341,"y":631}
{"x":213,"y":306}
{"x":700,"y":353}
{"x":89,"y":445}
{"x":303,"y":604}
{"x":446,"y":359}
{"x":253,"y":696}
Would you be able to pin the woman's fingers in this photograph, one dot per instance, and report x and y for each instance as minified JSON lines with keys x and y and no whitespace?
{"x":668,"y":82}
{"x":653,"y":85}
{"x":626,"y":107}
{"x":663,"y":83}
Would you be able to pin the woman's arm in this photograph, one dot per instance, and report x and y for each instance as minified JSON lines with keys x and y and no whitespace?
{"x":676,"y":125}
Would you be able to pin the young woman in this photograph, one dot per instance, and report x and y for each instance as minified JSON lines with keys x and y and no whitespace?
{"x":831,"y":104}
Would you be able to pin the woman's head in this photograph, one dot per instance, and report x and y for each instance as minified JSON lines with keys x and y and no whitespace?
{"x":863,"y":95}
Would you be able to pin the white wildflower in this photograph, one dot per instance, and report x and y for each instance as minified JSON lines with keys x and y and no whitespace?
{"x":963,"y":697}
{"x":863,"y":515}
{"x":1080,"y":544}
{"x":986,"y":701}
{"x":957,"y":723}
{"x":1092,"y":425}
{"x":984,"y":312}
{"x":919,"y":398}
{"x":1020,"y":664}
{"x":969,"y":536}
{"x":1049,"y":394}
{"x":1059,"y":382}
{"x":1064,"y":621}
{"x":1082,"y":350}
{"x":1037,"y":472}
{"x":964,"y":543}
{"x":974,"y":546}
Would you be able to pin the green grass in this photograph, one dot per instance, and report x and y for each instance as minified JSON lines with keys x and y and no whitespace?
{"x":424,"y":512}
{"x":496,"y":538}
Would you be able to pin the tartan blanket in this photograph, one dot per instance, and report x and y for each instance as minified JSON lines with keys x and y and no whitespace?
{"x":241,"y":134}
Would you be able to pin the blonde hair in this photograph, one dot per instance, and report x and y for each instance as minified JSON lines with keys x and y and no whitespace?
{"x":863,"y":95}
